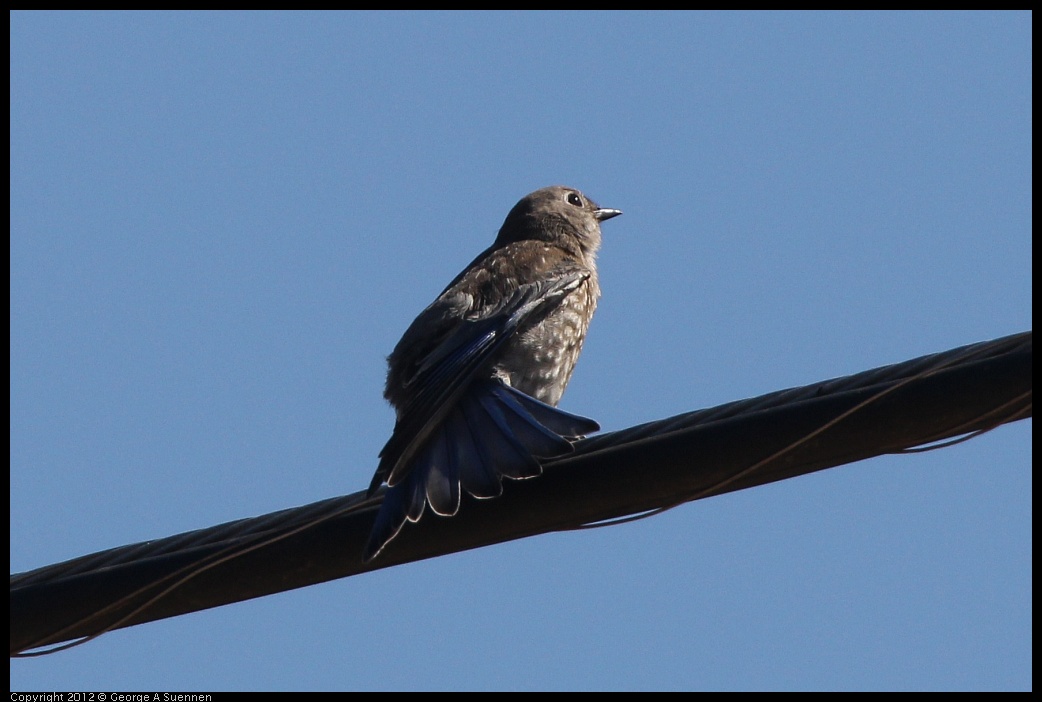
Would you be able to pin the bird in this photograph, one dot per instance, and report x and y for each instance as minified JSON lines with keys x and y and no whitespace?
{"x":476,"y":378}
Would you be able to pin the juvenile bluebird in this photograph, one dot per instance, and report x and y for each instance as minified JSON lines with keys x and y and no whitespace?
{"x":476,"y":378}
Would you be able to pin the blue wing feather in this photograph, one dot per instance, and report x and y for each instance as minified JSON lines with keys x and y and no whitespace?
{"x":461,"y":428}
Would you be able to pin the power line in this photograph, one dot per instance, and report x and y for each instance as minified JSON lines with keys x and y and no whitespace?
{"x":645,"y":468}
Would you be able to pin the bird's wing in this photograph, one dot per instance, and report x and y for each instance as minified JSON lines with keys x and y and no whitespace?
{"x":449,"y":368}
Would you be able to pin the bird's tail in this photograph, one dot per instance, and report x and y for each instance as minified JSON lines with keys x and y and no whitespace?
{"x":493,"y":432}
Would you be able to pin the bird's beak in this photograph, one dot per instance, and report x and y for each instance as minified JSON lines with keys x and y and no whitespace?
{"x":605,"y":213}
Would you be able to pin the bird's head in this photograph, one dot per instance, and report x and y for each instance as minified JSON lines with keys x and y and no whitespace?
{"x":557,"y":215}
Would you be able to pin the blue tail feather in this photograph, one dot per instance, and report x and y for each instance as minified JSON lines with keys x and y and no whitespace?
{"x":443,"y":474}
{"x":478,"y":475}
{"x":494,"y":431}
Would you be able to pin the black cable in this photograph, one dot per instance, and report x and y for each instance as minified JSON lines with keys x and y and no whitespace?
{"x":643,"y":469}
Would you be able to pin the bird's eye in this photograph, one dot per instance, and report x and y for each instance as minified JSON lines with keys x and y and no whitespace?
{"x":574,"y":199}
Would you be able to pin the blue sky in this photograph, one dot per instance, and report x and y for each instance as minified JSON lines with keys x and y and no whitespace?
{"x":222,"y":223}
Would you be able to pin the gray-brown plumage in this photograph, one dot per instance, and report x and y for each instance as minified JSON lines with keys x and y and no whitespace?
{"x":476,"y":377}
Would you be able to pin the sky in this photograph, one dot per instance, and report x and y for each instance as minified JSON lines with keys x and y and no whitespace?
{"x":221,"y":224}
